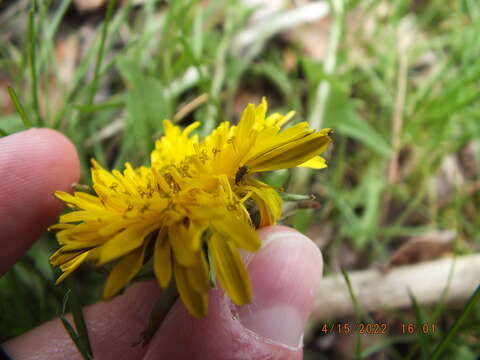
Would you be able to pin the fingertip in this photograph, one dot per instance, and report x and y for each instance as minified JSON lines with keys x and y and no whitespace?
{"x":51,"y":144}
{"x":280,"y":232}
{"x":113,"y":326}
{"x":285,"y":275}
{"x":288,"y":237}
{"x":33,"y":164}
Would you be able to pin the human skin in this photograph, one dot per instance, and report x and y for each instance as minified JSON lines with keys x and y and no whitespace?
{"x":284,"y":273}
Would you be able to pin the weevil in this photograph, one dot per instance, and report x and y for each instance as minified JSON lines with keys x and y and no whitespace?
{"x":242,"y":171}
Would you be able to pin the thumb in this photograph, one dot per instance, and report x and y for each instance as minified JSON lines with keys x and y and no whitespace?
{"x":284,"y":275}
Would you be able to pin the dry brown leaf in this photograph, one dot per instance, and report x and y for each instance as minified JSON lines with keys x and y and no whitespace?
{"x":469,"y":159}
{"x":425,"y":247}
{"x":345,"y":256}
{"x":290,"y":60}
{"x":88,"y":5}
{"x":245,"y":97}
{"x":67,"y":54}
{"x":321,"y":234}
{"x":312,"y":37}
{"x":6,"y":106}
{"x":448,"y":178}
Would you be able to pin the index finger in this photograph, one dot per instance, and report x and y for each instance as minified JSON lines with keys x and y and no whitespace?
{"x":33,"y":164}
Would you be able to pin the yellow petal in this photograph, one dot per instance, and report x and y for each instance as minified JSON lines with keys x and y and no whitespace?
{"x":80,"y":200}
{"x":85,"y":233}
{"x":191,"y":127}
{"x":81,"y":215}
{"x":128,"y":186}
{"x":278,"y":120}
{"x":162,"y":260}
{"x":88,"y":199}
{"x":160,"y":181}
{"x":315,"y":163}
{"x":196,"y":232}
{"x":59,"y":257}
{"x":71,"y":266}
{"x":230,"y":269}
{"x":181,"y":239}
{"x":112,"y":200}
{"x":291,"y":154}
{"x":60,"y":227}
{"x":241,"y":233}
{"x":114,"y":226}
{"x":246,"y":122}
{"x":261,"y":111}
{"x":70,"y":250}
{"x":123,"y":243}
{"x":105,"y":178}
{"x":267,"y":199}
{"x":271,"y":139}
{"x":195,"y":302}
{"x":123,"y":272}
{"x":198,"y":275}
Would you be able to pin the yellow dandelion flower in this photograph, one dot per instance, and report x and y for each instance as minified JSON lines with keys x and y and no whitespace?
{"x":257,"y":144}
{"x":192,"y":202}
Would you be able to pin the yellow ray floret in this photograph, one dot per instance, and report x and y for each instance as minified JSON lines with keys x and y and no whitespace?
{"x":194,"y":199}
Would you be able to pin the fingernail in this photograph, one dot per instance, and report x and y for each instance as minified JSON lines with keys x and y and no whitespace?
{"x":285,"y":274}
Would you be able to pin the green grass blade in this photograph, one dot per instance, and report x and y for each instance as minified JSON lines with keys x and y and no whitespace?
{"x":51,"y":30}
{"x":357,"y":311}
{"x":98,"y":62}
{"x":302,"y":219}
{"x":100,"y":106}
{"x":387,"y":343}
{"x":19,"y":107}
{"x":77,"y":340}
{"x":33,"y":61}
{"x":475,"y":298}
{"x":78,"y":318}
{"x":160,"y":311}
{"x":419,"y":317}
{"x":323,"y":91}
{"x":3,"y":133}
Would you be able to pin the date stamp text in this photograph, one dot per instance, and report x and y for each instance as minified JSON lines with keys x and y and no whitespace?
{"x":376,"y":328}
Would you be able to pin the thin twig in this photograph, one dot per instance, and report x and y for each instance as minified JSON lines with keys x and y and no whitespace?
{"x":427,"y":281}
{"x":190,"y":106}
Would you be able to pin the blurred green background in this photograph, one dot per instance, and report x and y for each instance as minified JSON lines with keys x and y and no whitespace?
{"x":398,"y":81}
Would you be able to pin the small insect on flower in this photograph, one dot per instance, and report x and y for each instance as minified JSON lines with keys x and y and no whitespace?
{"x":242,"y":171}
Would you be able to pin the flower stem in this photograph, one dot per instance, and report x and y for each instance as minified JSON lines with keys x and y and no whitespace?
{"x":159,"y":312}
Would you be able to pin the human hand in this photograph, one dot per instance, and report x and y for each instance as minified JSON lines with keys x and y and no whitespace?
{"x":284,"y":275}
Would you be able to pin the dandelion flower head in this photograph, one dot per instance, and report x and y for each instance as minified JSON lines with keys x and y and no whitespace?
{"x":187,"y":213}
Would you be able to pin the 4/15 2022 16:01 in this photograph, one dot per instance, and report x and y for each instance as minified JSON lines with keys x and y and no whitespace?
{"x":376,"y":328}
